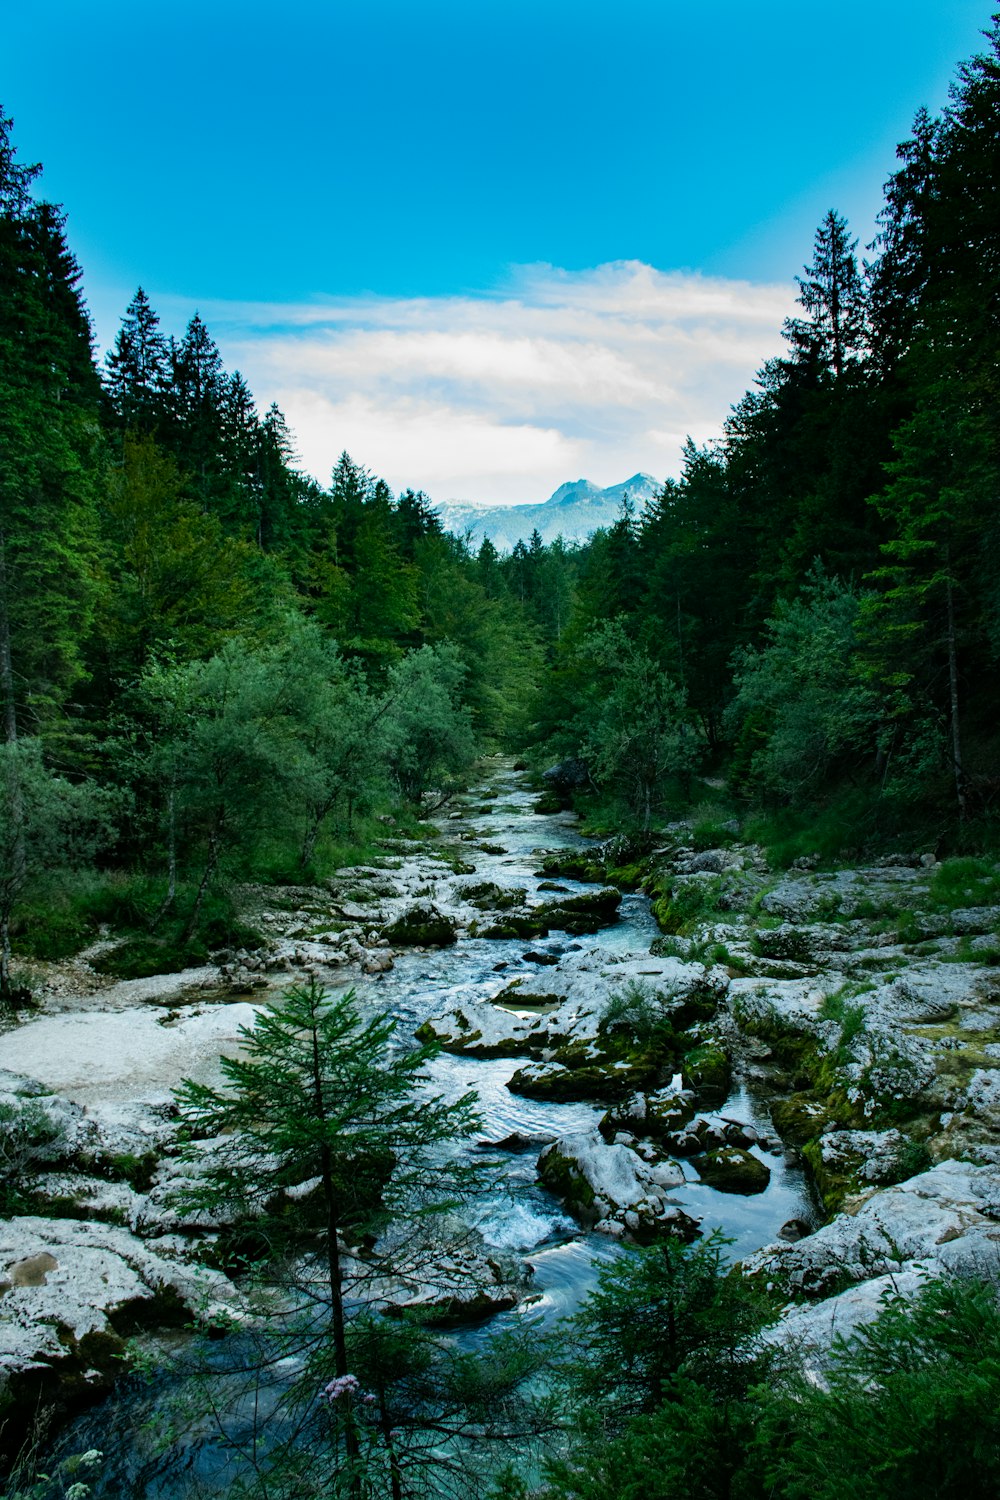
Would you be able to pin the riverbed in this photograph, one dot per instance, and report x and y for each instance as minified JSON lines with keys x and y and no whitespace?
{"x":499,"y":833}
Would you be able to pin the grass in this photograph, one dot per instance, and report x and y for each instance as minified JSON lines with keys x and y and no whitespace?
{"x":840,"y":830}
{"x":712,"y":825}
{"x":965,"y":881}
{"x":66,"y":913}
{"x":965,"y":953}
{"x":851,"y":1019}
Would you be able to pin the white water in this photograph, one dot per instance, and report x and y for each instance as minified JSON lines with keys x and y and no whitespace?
{"x":527,"y":1221}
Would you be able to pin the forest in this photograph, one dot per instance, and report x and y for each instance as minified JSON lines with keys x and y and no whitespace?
{"x":216,"y":671}
{"x":203,"y":650}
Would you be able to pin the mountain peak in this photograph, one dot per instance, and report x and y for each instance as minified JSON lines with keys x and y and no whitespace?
{"x":574,"y":511}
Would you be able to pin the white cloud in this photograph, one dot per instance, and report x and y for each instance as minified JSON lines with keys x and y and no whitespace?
{"x":502,"y":397}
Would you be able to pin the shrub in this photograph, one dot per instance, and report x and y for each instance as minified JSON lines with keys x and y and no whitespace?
{"x":639,"y":1012}
{"x":27,"y":1134}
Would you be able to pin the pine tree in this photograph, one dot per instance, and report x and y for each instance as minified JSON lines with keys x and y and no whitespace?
{"x":833,"y":298}
{"x":138,"y":368}
{"x":50,"y":457}
{"x":319,"y":1096}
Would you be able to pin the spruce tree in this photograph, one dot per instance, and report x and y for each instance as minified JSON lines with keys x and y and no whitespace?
{"x":319,"y":1096}
{"x":138,"y":368}
{"x":50,"y":457}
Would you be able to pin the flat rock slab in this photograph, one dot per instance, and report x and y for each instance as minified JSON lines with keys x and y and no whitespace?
{"x":124,"y":1054}
{"x":811,"y":1328}
{"x":70,"y":1290}
{"x":947,"y":1219}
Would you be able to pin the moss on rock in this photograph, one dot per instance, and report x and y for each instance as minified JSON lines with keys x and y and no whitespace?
{"x":421,"y":927}
{"x":604,"y":1081}
{"x":563,"y":1178}
{"x":799,"y":1118}
{"x":706,"y":1070}
{"x":730,"y":1169}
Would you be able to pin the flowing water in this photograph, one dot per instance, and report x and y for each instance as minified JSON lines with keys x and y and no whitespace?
{"x":527,"y":1221}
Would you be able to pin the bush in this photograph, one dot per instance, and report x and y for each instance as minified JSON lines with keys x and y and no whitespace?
{"x":639,"y":1012}
{"x":911,"y":1410}
{"x":27,"y":1135}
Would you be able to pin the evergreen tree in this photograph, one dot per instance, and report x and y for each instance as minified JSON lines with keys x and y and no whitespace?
{"x":319,"y":1096}
{"x":833,"y":298}
{"x":138,"y":370}
{"x":50,"y":457}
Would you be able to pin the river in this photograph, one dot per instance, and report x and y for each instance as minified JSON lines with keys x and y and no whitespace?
{"x":526,"y":1221}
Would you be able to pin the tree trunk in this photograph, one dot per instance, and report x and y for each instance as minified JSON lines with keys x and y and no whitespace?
{"x":337,"y":1326}
{"x":6,"y":653}
{"x":19,"y":857}
{"x":395,"y":1472}
{"x":956,"y":741}
{"x":5,"y":955}
{"x":309,"y":843}
{"x":213,"y":860}
{"x":168,"y":899}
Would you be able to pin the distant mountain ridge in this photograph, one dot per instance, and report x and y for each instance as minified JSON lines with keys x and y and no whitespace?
{"x":574,"y":511}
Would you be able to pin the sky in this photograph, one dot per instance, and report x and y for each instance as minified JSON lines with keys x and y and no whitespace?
{"x":485,"y":247}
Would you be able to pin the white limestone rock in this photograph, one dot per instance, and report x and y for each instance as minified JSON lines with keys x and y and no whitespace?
{"x":944,"y":1219}
{"x":69,"y":1289}
{"x":614,"y":1188}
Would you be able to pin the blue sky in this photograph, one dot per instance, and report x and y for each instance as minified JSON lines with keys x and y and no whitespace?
{"x":385,"y":201}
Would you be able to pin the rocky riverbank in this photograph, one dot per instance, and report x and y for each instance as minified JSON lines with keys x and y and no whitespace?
{"x":860,"y":1007}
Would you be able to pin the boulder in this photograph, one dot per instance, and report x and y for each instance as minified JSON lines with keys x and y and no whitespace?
{"x":612,"y":1189}
{"x":799,"y":1118}
{"x":574,"y":864}
{"x":730,"y":1169}
{"x":568,"y":775}
{"x":602,"y":1079}
{"x":706,"y":1070}
{"x":421,"y":926}
{"x":850,"y":1161}
{"x":658,"y":1116}
{"x":812,"y":1328}
{"x":580,"y":914}
{"x":947,"y":1219}
{"x":72,"y":1291}
{"x":477,"y":1030}
{"x":806,"y":944}
{"x":487,"y":895}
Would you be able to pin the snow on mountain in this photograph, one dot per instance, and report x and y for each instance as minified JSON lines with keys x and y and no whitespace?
{"x":575,"y":511}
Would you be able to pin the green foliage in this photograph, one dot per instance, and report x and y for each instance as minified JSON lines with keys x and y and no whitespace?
{"x":671,"y":1310}
{"x":51,"y":458}
{"x":711,"y":830}
{"x":326,"y":1136}
{"x":799,"y":709}
{"x":663,"y":1362}
{"x":28,"y":1135}
{"x":682,"y":905}
{"x":638,"y":1012}
{"x":317,"y":1095}
{"x":965,"y":882}
{"x":849,"y":819}
{"x":72,"y":1478}
{"x":634,"y":728}
{"x":910,"y":1410}
{"x":906,"y":1408}
{"x":46,"y":824}
{"x":430,"y":742}
{"x":851,"y":1019}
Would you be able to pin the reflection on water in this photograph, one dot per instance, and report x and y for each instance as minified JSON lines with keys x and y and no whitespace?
{"x":525,"y":1220}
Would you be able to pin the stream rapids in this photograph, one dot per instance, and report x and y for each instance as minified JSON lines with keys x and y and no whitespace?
{"x":561,"y":1260}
